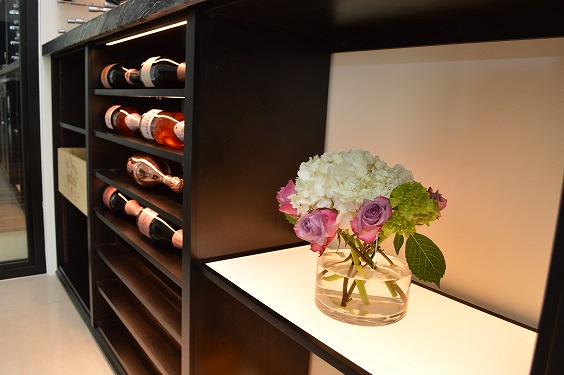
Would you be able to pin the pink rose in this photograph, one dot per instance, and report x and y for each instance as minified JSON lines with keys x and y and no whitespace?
{"x":441,"y":202}
{"x":318,"y":227}
{"x":284,"y":201}
{"x":371,"y":215}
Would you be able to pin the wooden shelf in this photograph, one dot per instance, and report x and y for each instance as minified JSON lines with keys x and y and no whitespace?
{"x":164,"y":356}
{"x":143,"y":92}
{"x":167,"y":208}
{"x":73,"y":128}
{"x":161,"y":302}
{"x":168,"y":261}
{"x":112,"y":331}
{"x":142,"y":145}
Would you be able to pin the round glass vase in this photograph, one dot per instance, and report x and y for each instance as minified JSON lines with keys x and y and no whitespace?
{"x":383,"y":294}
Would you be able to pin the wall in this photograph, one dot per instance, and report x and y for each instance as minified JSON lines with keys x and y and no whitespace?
{"x":484,"y":124}
{"x":52,"y":17}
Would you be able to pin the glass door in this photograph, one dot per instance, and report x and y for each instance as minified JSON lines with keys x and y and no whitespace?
{"x":21,"y":219}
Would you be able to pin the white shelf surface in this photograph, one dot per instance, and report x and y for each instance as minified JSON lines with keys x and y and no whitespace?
{"x":437,"y":336}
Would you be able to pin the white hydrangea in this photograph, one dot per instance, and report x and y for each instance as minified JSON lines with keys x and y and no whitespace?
{"x":342,"y":180}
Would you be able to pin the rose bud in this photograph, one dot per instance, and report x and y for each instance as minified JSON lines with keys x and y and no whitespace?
{"x":283,"y":198}
{"x":441,"y":202}
{"x":371,"y":215}
{"x":318,"y":227}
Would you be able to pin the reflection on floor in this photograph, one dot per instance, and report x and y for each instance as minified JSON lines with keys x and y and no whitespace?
{"x":13,"y":245}
{"x":12,"y":223}
{"x":42,"y":332}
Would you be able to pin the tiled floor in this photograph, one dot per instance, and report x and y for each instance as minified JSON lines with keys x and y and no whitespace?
{"x":41,"y":332}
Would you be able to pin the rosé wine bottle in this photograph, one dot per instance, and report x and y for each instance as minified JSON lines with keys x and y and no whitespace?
{"x":148,"y":171}
{"x":123,"y":120}
{"x":166,"y":128}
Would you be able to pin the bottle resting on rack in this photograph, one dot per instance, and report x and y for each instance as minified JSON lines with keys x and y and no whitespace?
{"x":163,"y":72}
{"x":148,"y":221}
{"x":117,"y":76}
{"x":124,"y":120}
{"x":147,"y":171}
{"x":166,"y":128}
{"x":153,"y":227}
{"x":115,"y":200}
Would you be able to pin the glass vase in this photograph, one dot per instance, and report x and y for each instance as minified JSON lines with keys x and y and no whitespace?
{"x":362,"y":295}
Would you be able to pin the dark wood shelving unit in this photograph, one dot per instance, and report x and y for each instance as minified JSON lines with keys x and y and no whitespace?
{"x":163,"y":303}
{"x":116,"y":336}
{"x":164,"y":356}
{"x":255,"y":107}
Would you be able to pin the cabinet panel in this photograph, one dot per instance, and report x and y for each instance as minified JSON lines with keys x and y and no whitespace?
{"x":260,"y":103}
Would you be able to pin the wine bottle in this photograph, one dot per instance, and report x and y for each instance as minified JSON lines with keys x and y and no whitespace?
{"x":148,"y":221}
{"x":124,"y":120}
{"x":117,"y":76}
{"x":153,"y":227}
{"x":147,"y":171}
{"x":162,"y":72}
{"x":116,"y":201}
{"x":167,"y":128}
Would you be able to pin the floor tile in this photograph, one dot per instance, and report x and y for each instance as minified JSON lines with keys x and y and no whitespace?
{"x":43,"y":333}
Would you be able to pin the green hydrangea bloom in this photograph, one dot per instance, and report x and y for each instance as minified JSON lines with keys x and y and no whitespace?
{"x":412,"y":206}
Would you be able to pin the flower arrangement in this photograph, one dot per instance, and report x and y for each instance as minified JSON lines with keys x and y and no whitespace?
{"x":359,"y":199}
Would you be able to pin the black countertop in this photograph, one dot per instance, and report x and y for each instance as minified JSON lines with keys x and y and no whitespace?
{"x":352,"y":25}
{"x":130,"y":13}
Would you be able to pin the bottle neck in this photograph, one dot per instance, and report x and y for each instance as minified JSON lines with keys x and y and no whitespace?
{"x":133,"y":208}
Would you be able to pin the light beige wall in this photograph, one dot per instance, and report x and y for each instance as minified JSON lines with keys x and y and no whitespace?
{"x":54,"y":16}
{"x":484,"y":123}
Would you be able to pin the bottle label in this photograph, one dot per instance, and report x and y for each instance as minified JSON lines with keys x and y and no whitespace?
{"x":109,"y":115}
{"x":179,"y":130}
{"x":146,"y":216}
{"x":104,"y":76}
{"x":132,"y":121}
{"x":146,"y":76}
{"x":128,"y":74}
{"x":181,"y":71}
{"x":146,"y":124}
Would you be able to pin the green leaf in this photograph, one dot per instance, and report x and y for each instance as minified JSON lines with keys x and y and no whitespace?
{"x":425,"y":259}
{"x":398,"y":242}
{"x":292,"y":220}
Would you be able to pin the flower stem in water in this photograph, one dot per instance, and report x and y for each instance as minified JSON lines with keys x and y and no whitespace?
{"x":395,"y":290}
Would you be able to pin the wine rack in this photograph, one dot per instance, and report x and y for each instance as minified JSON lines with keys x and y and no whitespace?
{"x":140,"y":283}
{"x":255,"y":106}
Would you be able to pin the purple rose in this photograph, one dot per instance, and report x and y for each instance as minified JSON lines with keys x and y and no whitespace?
{"x":284,"y":201}
{"x":318,"y":227}
{"x":441,"y":202}
{"x":371,"y":215}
